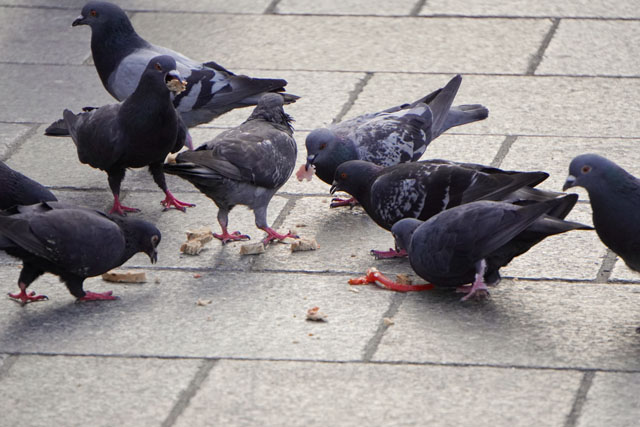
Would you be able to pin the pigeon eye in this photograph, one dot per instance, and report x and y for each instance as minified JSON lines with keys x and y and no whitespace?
{"x":154,"y":240}
{"x":93,"y":13}
{"x":323,"y":146}
{"x":158,"y":67}
{"x":586,"y":169}
{"x":343,"y":175}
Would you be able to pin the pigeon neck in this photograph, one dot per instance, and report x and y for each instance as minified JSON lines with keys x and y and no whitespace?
{"x":110,"y":46}
{"x":276,"y":116}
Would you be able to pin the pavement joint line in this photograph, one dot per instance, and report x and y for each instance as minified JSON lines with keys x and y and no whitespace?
{"x":415,"y":10}
{"x":372,"y":345}
{"x":187,"y":394}
{"x":272,"y":8}
{"x":539,"y":55}
{"x":7,"y":364}
{"x":503,"y":150}
{"x":15,"y":145}
{"x":333,"y":362}
{"x":580,"y":399}
{"x":606,"y":269}
{"x":353,"y":96}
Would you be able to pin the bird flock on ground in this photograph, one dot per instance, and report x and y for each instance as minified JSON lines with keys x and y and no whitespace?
{"x":457,"y":223}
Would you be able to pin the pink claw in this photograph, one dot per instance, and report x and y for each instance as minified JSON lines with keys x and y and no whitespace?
{"x":391,"y":253}
{"x":121,"y":209}
{"x":97,"y":296}
{"x":374,"y":276}
{"x":170,"y":201}
{"x":274,"y":235}
{"x":337,"y":202}
{"x":227,"y":237}
{"x":24,"y":298}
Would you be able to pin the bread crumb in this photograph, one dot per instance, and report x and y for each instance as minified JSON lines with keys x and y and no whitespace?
{"x":388,"y":321}
{"x":316,"y":315}
{"x":125,"y":276}
{"x":252,"y":248}
{"x":304,"y":245}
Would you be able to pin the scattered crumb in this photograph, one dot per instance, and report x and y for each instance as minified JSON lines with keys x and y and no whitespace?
{"x":177,"y":85}
{"x":157,"y":281}
{"x":252,"y":248}
{"x":295,"y":342}
{"x":316,"y":315}
{"x":301,"y":225}
{"x":125,"y":276}
{"x":388,"y":321}
{"x":353,"y":255}
{"x":196,"y":240}
{"x":403,"y":279}
{"x":171,"y":158}
{"x":310,"y":334}
{"x":191,"y":247}
{"x":203,"y":301}
{"x":354,"y":290}
{"x":304,"y":245}
{"x":197,"y":276}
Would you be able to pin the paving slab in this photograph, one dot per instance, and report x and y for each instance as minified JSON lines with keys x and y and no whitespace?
{"x":348,"y":7}
{"x":248,"y":393}
{"x":521,"y":105}
{"x":594,"y":48}
{"x":81,"y":391}
{"x":623,"y":273}
{"x":612,"y":400}
{"x":216,"y":6}
{"x":524,"y":323}
{"x":9,"y":136}
{"x":250,"y":316}
{"x":329,"y":43}
{"x":581,"y":8}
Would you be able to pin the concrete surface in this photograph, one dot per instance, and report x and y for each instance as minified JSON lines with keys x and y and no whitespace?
{"x":555,"y":345}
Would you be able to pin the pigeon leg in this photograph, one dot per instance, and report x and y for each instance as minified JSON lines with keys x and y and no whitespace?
{"x":274,"y":235}
{"x":170,"y":200}
{"x":479,"y":288}
{"x":119,"y":208}
{"x":115,"y":178}
{"x":74,"y":284}
{"x":227,"y":237}
{"x":337,"y":202}
{"x":391,"y":253}
{"x":27,"y":275}
{"x":374,"y":276}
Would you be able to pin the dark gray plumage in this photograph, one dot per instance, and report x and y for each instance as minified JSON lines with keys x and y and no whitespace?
{"x":138,"y":132}
{"x":121,"y":55}
{"x":615,"y":201}
{"x":72,"y":243}
{"x":471,"y":242}
{"x":245,"y":165}
{"x":397,"y":135}
{"x":17,"y":189}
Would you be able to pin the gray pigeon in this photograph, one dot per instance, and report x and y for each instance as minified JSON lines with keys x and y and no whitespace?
{"x":245,"y":165}
{"x":422,"y":189}
{"x":397,"y":135}
{"x":121,"y":56}
{"x":471,"y":242}
{"x":615,"y":201}
{"x":17,"y":189}
{"x":72,"y":243}
{"x":138,"y":132}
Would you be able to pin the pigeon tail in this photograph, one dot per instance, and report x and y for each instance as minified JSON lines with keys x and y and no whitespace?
{"x":57,"y":128}
{"x":463,"y":114}
{"x":441,"y":105}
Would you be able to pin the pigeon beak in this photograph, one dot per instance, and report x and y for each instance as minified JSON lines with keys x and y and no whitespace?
{"x":570,"y":182}
{"x":153,"y":256}
{"x":310,"y":159}
{"x":174,"y":81}
{"x":79,"y":21}
{"x":335,"y":187}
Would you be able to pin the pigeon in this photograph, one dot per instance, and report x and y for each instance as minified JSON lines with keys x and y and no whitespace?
{"x":422,"y":189}
{"x":471,"y":242}
{"x":245,"y":165}
{"x":121,"y":56}
{"x":397,"y":135}
{"x":615,"y":201}
{"x":17,"y":189}
{"x":72,"y":243}
{"x":138,"y":132}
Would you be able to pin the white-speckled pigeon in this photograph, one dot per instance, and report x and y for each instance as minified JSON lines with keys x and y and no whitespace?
{"x":138,"y":132}
{"x":121,"y":55}
{"x":615,"y":201}
{"x":72,"y":243}
{"x":245,"y":165}
{"x":17,"y":189}
{"x":397,"y":135}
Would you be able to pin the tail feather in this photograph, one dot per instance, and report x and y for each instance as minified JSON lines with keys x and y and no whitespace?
{"x":57,"y":128}
{"x":441,"y":105}
{"x":463,"y":114}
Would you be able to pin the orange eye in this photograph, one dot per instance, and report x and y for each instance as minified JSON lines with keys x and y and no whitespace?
{"x":343,"y":175}
{"x":93,"y":13}
{"x":323,"y":146}
{"x":158,"y":67}
{"x":154,"y":240}
{"x":586,"y":169}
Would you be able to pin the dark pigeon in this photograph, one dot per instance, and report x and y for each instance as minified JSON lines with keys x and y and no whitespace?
{"x":423,"y":189}
{"x":471,"y":242}
{"x":138,"y":132}
{"x":72,"y":243}
{"x":121,"y":56}
{"x":17,"y":189}
{"x":615,"y":201}
{"x":397,"y":135}
{"x":245,"y":165}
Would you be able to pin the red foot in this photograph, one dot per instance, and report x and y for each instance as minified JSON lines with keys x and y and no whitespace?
{"x":374,"y":276}
{"x":391,"y":253}
{"x":170,"y":201}
{"x":121,"y":209}
{"x":24,"y":298}
{"x":97,"y":296}
{"x":274,"y":235}
{"x":227,"y":237}
{"x":337,"y":202}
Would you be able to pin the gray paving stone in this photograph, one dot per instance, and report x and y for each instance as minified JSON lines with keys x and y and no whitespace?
{"x":623,"y":273}
{"x":464,"y":148}
{"x":521,"y":105}
{"x":330,"y":43}
{"x":582,"y":8}
{"x":349,"y":7}
{"x":9,"y":135}
{"x":251,"y":315}
{"x":39,"y":93}
{"x":612,"y":401}
{"x":247,"y":393}
{"x":216,"y":6}
{"x":81,"y":391}
{"x":594,"y":48}
{"x":525,"y":323}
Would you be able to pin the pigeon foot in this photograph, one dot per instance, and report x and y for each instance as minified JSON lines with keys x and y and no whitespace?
{"x":274,"y":235}
{"x":479,"y":289}
{"x":337,"y":202}
{"x":121,"y":209}
{"x":97,"y":296}
{"x":391,"y":253}
{"x":24,"y":298}
{"x":170,"y":201}
{"x":227,"y":237}
{"x":374,"y":276}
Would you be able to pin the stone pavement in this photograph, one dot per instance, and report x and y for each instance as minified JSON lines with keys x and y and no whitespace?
{"x":555,"y":345}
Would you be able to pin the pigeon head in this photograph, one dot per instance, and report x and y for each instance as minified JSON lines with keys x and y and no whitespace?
{"x":403,"y":231}
{"x":101,"y":16}
{"x":270,"y":108}
{"x":355,"y":178}
{"x":140,"y":236}
{"x":162,"y":72}
{"x":325,"y":150}
{"x":591,"y":170}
